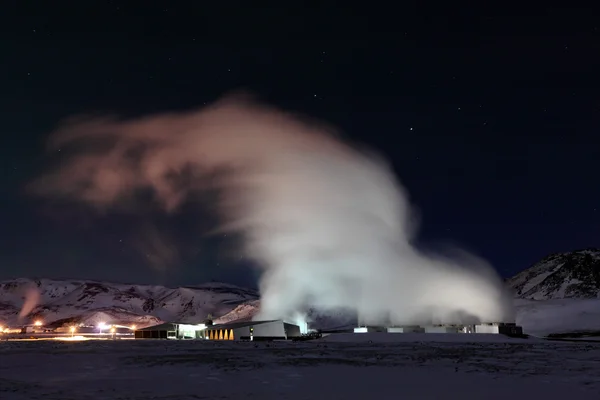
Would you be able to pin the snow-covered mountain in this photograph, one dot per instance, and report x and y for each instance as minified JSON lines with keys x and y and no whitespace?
{"x":560,"y":276}
{"x":62,"y":301}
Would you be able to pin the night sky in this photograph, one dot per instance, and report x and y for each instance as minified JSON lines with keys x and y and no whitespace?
{"x":491,"y":122}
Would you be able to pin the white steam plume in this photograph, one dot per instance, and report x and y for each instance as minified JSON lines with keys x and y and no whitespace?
{"x":32,"y":299}
{"x":328,"y":223}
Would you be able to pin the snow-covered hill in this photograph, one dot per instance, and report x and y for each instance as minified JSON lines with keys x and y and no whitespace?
{"x":560,"y":276}
{"x":89,"y":302}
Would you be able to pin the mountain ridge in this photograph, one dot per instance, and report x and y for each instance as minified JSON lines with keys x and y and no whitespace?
{"x":89,"y":301}
{"x":574,"y":274}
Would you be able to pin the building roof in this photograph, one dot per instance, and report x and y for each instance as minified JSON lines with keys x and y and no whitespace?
{"x":167,"y":326}
{"x":171,"y":326}
{"x":235,"y":325}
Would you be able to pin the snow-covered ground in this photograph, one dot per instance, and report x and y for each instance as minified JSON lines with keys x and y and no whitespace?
{"x":331,"y":368}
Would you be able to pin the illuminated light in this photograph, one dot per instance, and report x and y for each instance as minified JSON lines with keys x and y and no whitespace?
{"x":101,"y":325}
{"x":112,"y":330}
{"x":72,"y":338}
{"x":38,"y":323}
{"x":133,"y":327}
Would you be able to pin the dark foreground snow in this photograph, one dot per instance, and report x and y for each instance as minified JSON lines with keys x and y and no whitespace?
{"x":324,"y":369}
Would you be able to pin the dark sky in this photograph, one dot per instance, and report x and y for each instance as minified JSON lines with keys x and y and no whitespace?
{"x":491,"y":121}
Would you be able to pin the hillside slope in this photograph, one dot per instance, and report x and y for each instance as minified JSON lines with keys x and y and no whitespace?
{"x":573,"y":275}
{"x":89,"y":301}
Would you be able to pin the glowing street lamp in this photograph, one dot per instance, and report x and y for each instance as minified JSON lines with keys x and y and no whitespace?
{"x":72,"y":331}
{"x":101,"y":326}
{"x":38,"y":323}
{"x":112,"y":331}
{"x":133,"y":327}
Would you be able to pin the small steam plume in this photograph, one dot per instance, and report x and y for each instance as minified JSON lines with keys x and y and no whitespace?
{"x":32,"y":299}
{"x":327,"y":222}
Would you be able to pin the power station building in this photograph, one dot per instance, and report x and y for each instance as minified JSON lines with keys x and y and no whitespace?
{"x":253,"y":330}
{"x":249,"y":330}
{"x":171,"y":331}
{"x":280,"y":330}
{"x":508,"y":329}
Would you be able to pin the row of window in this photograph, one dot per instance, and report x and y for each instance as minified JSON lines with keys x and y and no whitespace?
{"x":220,"y":334}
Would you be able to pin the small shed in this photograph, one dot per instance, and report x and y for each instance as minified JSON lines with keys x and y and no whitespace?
{"x":509,"y":329}
{"x":369,"y":329}
{"x":405,"y":329}
{"x":442,"y":329}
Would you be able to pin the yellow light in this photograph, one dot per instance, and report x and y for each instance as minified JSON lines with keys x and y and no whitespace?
{"x":72,"y":338}
{"x":38,"y":323}
{"x":72,"y":329}
{"x":112,"y":330}
{"x":133,"y":327}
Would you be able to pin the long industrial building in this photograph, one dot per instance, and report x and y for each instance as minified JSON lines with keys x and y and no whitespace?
{"x":509,"y":329}
{"x":253,"y":330}
{"x":249,"y":330}
{"x":280,"y":330}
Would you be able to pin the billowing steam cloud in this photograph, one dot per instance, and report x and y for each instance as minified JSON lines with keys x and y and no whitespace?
{"x":328,"y":223}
